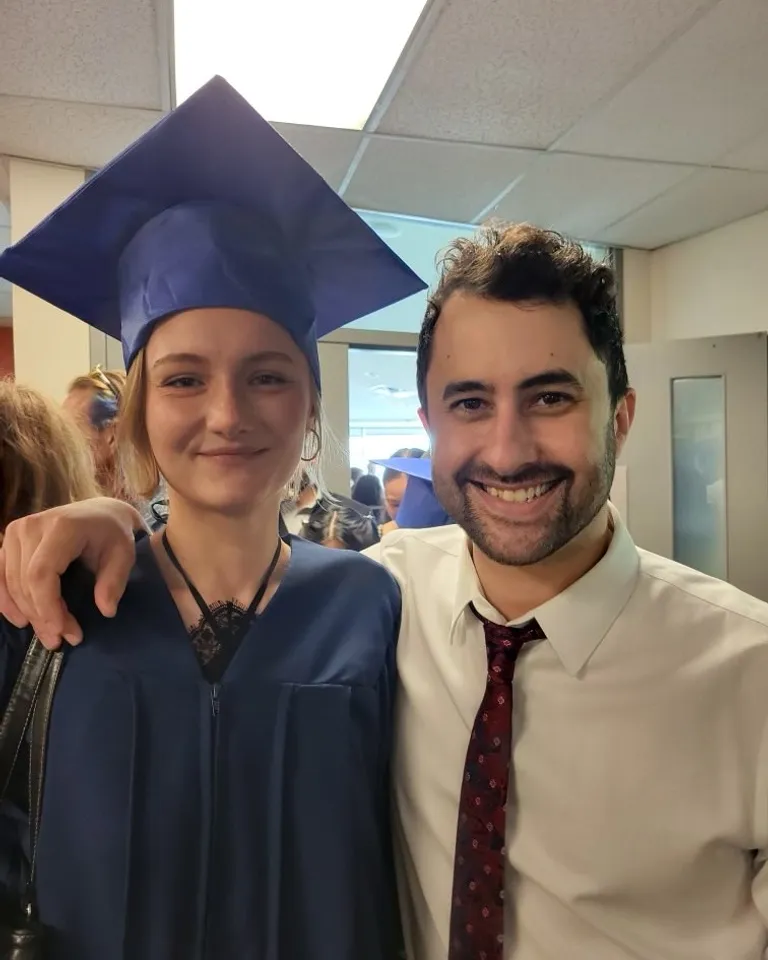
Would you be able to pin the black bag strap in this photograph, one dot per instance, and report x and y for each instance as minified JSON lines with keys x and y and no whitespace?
{"x":18,"y":714}
{"x":29,"y":711}
{"x":41,"y":717}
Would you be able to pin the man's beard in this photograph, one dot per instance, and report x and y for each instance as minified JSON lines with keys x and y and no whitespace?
{"x":504,"y":541}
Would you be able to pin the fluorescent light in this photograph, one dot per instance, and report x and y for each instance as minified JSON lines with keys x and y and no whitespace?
{"x":316,"y":62}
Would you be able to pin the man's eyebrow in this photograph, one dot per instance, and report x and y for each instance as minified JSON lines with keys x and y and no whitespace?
{"x":559,"y":377}
{"x":460,"y":387}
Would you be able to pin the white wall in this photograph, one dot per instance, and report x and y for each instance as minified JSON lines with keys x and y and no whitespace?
{"x":51,"y":348}
{"x":636,"y":295}
{"x":334,"y":463}
{"x":711,"y":285}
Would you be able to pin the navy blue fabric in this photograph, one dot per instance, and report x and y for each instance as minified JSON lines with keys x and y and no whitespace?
{"x":248,"y":821}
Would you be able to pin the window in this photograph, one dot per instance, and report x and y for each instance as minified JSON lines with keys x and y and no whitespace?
{"x":419,"y":243}
{"x":698,"y":474}
{"x":383,"y":404}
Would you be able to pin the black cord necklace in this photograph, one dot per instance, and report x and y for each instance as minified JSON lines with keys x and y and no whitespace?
{"x":205,"y":610}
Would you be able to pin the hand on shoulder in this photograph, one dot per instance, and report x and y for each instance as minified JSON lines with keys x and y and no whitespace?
{"x":38,"y":549}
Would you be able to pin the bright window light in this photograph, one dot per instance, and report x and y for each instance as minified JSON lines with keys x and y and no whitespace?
{"x":316,"y":62}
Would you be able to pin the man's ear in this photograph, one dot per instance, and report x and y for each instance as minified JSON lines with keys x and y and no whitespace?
{"x":623,"y":417}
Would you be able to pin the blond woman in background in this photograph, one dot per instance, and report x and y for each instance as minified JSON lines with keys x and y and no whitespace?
{"x":94,"y":401}
{"x":44,"y":460}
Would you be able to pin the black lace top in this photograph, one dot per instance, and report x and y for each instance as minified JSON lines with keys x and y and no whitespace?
{"x":215,"y":650}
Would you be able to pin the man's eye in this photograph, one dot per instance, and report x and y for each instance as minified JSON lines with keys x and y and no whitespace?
{"x":551,"y":399}
{"x":469,"y":404}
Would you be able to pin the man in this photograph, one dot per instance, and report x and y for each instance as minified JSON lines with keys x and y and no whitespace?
{"x":632,"y":820}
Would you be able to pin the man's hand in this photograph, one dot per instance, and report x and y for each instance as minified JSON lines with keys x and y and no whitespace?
{"x":38,"y":549}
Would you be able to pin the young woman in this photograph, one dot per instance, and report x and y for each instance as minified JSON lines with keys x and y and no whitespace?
{"x":216,"y":782}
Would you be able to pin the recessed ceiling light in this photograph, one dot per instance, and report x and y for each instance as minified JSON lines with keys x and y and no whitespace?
{"x":297,"y":61}
{"x":394,"y":393}
{"x":386,"y":229}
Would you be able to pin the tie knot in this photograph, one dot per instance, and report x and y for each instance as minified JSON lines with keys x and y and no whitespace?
{"x":504,"y":643}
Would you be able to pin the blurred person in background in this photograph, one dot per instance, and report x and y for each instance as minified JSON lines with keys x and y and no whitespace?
{"x":45,"y":461}
{"x":394,"y":483}
{"x":369,"y":491}
{"x":94,"y":400}
{"x":419,"y":506}
{"x":354,"y":475}
{"x":340,"y":527}
{"x":299,"y":505}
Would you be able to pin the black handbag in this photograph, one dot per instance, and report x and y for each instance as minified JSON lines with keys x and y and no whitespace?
{"x":24,"y":729}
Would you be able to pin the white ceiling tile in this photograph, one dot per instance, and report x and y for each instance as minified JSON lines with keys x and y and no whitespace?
{"x":521,"y":73}
{"x":752,"y":156}
{"x":438,"y":180}
{"x":702,"y":97}
{"x":580,"y":196}
{"x":707,"y":200}
{"x":330,"y":152}
{"x":96,"y":51}
{"x":76,"y":134}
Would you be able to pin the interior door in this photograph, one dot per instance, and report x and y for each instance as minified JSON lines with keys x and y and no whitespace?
{"x":696,"y":479}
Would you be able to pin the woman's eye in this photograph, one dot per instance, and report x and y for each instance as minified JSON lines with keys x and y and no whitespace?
{"x":181,"y":382}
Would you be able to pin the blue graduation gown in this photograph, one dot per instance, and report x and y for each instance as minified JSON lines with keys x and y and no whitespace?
{"x":246,"y":820}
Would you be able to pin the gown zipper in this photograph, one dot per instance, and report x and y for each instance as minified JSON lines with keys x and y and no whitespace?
{"x":215,"y":709}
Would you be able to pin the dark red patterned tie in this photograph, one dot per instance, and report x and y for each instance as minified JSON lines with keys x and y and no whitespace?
{"x":477,"y":913}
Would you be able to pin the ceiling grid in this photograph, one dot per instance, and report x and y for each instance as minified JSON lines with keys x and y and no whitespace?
{"x":635,"y":123}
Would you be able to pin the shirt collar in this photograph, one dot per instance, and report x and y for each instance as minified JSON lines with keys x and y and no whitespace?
{"x":576,"y":620}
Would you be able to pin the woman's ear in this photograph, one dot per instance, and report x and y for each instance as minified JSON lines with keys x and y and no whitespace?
{"x":108,"y":436}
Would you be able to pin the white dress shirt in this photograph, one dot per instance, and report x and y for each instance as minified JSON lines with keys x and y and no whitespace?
{"x":640,"y":757}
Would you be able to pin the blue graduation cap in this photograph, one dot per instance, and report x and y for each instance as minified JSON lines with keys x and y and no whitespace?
{"x":210,"y":208}
{"x":419,"y":507}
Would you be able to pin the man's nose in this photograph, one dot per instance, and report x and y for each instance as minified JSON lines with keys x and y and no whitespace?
{"x":510,"y":440}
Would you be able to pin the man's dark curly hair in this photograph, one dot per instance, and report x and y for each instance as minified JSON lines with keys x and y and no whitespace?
{"x":521,"y":263}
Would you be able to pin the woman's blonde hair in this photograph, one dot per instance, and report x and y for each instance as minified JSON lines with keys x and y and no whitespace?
{"x":139,"y":465}
{"x":109,"y":384}
{"x":45,"y":460}
{"x":106,"y":382}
